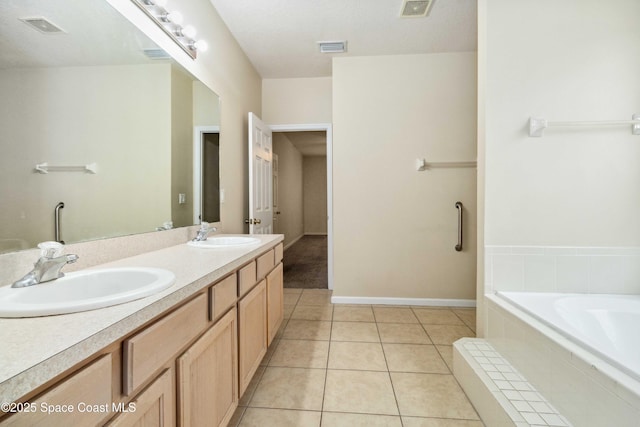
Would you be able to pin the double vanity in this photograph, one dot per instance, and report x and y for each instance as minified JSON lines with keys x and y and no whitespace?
{"x":182,"y":355}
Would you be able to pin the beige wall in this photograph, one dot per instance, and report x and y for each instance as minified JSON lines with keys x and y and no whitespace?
{"x":227,"y":71}
{"x":570,"y":60}
{"x":68,"y":129}
{"x":297,"y":101}
{"x":181,"y":147}
{"x":570,"y":187}
{"x":395,"y":228}
{"x":315,"y":194}
{"x":290,"y":192}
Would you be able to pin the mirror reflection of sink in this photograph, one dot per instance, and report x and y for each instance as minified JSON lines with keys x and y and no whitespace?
{"x":84,"y":290}
{"x":224,"y":242}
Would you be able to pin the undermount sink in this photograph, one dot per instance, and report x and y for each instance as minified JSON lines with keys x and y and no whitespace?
{"x":84,"y":290}
{"x":224,"y":242}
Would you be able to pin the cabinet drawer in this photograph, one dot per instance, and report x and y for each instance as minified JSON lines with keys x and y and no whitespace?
{"x":265,"y":264}
{"x":222,"y":296}
{"x":246,"y":278}
{"x":147,"y":351}
{"x":84,"y":389}
{"x":279,"y":253}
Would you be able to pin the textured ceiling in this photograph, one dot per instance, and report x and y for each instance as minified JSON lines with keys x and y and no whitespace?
{"x":279,"y":36}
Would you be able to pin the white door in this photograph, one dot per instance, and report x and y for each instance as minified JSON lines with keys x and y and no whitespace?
{"x":260,"y":177}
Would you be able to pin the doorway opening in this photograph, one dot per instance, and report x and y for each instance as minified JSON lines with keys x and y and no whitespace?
{"x":303,"y":202}
{"x":206,"y":174}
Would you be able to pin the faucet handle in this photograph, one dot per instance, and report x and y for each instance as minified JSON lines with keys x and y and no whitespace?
{"x":204,"y":226}
{"x":50,"y":249}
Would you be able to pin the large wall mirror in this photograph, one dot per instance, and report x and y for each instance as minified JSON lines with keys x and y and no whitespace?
{"x":98,"y":93}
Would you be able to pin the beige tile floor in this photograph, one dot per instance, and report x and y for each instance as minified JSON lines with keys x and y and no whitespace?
{"x":338,"y":365}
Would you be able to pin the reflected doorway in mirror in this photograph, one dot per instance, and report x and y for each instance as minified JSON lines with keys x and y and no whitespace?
{"x":206,"y":174}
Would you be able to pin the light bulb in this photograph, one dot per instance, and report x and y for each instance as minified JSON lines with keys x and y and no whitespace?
{"x":201,"y":45}
{"x":175,"y":17}
{"x":189,"y":31}
{"x":161,"y":3}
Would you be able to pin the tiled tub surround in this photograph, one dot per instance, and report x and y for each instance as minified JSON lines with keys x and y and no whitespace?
{"x":599,"y":270}
{"x":34,"y":351}
{"x":587,"y":390}
{"x":502,"y":396}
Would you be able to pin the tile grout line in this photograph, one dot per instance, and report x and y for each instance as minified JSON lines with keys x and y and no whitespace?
{"x":326,"y":371}
{"x":384,"y":354}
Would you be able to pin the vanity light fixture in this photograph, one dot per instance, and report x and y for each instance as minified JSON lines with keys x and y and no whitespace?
{"x":171,"y":23}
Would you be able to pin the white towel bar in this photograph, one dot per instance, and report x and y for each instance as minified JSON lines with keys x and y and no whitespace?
{"x":422,"y":164}
{"x":46,"y":168}
{"x":537,"y":125}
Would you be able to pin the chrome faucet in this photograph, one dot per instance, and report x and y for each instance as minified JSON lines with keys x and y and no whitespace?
{"x":203,"y":232}
{"x":47,"y":268}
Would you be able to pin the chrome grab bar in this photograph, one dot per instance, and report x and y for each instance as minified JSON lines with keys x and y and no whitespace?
{"x":459,"y":245}
{"x":57,"y":222}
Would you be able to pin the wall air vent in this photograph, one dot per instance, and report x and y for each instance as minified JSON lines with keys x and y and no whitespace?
{"x":43,"y":25}
{"x":333,"y":47}
{"x":415,"y":8}
{"x":156,"y":53}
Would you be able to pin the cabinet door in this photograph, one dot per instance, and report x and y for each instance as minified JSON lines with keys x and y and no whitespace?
{"x":275,"y":307}
{"x":252,"y":324}
{"x":208,"y":376}
{"x":154,"y":407}
{"x":68,"y":401}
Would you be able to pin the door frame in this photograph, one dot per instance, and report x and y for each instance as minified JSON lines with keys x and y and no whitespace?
{"x":197,"y":168}
{"x":326,"y":127}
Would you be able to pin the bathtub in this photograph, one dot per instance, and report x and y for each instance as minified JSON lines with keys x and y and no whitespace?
{"x":607,"y":325}
{"x":581,"y":351}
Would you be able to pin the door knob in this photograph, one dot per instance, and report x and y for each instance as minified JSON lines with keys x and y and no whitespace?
{"x":257,"y":221}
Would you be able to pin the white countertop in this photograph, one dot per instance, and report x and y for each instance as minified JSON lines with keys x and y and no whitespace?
{"x":36,"y":350}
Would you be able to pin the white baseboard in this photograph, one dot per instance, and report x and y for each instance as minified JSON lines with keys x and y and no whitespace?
{"x":432,"y":302}
{"x":293,"y":242}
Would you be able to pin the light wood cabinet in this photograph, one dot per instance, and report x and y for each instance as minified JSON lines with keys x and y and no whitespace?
{"x":188,"y":367}
{"x":83,"y":399}
{"x":265,"y":263}
{"x":153,"y":407}
{"x":252,"y":324}
{"x":222,"y":296}
{"x":207,"y":375}
{"x":275,"y":303}
{"x":247,"y":278}
{"x":148,"y":351}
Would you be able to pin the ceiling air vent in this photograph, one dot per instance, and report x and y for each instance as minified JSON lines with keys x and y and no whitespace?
{"x":415,"y":8}
{"x":43,"y":25}
{"x":333,"y":47}
{"x":156,"y":53}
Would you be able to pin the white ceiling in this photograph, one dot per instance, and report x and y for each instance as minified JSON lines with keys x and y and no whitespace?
{"x":279,"y":36}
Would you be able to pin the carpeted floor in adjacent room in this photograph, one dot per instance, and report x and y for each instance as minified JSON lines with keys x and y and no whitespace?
{"x":305,"y":263}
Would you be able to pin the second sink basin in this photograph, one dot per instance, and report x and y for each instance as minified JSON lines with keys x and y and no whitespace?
{"x":225,"y":242}
{"x":84,"y":290}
